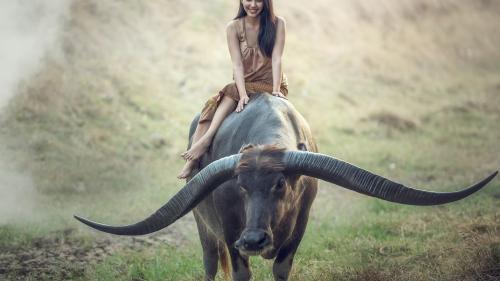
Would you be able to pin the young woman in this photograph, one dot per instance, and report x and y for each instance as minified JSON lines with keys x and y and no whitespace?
{"x":256,"y":38}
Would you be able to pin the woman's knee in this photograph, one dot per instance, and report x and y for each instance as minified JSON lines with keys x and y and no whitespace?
{"x":228,"y":102}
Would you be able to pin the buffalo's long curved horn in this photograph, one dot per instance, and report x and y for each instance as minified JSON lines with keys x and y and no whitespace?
{"x":351,"y":177}
{"x":186,"y":199}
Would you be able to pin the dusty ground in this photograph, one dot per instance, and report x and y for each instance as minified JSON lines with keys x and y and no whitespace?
{"x":61,"y":255}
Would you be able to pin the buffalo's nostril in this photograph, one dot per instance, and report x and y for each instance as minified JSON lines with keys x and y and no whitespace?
{"x":264,"y":241}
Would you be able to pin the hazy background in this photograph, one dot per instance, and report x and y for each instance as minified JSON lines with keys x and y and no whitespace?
{"x":97,"y":96}
{"x":29,"y":31}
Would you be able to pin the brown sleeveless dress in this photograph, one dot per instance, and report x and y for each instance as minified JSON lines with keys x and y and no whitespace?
{"x":257,"y":71}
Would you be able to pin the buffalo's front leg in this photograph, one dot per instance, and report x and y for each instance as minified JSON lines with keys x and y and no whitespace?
{"x":284,"y":259}
{"x":210,"y":248}
{"x":283,"y":262}
{"x":241,"y":269}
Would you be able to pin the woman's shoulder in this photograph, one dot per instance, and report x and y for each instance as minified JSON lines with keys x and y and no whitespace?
{"x":233,"y":24}
{"x":233,"y":27}
{"x":280,"y":20}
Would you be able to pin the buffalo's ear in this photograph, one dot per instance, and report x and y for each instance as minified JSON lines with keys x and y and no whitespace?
{"x":302,"y":146}
{"x":246,"y":147}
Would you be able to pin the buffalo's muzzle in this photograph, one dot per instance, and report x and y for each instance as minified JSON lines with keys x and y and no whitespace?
{"x":253,"y":240}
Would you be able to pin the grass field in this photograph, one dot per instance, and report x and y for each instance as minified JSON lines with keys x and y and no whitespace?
{"x":407,"y":89}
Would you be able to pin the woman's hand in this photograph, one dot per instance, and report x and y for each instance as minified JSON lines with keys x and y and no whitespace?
{"x":242,"y":102}
{"x":279,"y":94}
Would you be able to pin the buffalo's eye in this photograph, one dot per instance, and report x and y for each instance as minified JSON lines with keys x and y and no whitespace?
{"x":280,"y":184}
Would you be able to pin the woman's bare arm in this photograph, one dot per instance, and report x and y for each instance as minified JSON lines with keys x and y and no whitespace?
{"x":234,"y":50}
{"x":279,"y":45}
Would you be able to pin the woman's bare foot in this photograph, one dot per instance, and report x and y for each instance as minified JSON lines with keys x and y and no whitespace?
{"x":197,"y":149}
{"x":186,"y":170}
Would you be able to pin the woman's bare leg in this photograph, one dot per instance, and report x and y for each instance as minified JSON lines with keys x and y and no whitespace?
{"x":204,"y":134}
{"x":201,"y":129}
{"x":200,"y":146}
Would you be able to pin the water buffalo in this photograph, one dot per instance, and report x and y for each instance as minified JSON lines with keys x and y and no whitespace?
{"x":255,"y":186}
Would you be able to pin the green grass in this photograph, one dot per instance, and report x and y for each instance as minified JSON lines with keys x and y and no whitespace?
{"x":391,"y":241}
{"x":166,"y":263}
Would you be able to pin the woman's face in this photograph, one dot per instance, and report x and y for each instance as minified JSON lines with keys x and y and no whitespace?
{"x":253,"y":7}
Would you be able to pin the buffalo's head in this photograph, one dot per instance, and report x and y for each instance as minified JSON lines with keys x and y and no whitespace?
{"x":269,"y":196}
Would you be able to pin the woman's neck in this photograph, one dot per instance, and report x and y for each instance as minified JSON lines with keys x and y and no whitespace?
{"x":253,"y":22}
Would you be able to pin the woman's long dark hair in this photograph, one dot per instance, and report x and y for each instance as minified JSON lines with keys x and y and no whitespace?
{"x":267,"y":31}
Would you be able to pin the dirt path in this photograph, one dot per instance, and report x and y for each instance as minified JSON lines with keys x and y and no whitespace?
{"x":61,"y":255}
